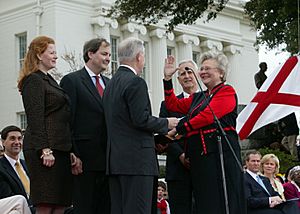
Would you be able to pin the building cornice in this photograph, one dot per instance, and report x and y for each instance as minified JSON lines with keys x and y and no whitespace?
{"x":188,"y":39}
{"x":132,"y":27}
{"x":102,"y":21}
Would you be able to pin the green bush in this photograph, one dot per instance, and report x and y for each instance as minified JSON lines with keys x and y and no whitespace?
{"x":285,"y":160}
{"x":162,"y":172}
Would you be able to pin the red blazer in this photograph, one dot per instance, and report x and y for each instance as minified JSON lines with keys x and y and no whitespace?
{"x":291,"y":191}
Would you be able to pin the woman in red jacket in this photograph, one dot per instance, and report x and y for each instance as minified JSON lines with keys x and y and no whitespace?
{"x":292,"y":188}
{"x":201,"y":132}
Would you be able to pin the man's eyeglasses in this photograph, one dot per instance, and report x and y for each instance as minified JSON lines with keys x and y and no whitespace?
{"x":184,"y":72}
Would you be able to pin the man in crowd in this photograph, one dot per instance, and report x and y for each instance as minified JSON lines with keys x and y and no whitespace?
{"x":14,"y":178}
{"x":85,"y":89}
{"x":177,"y":166}
{"x":260,"y":195}
{"x":131,"y":158}
{"x":288,"y":126}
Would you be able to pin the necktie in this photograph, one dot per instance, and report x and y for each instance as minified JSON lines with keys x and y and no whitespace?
{"x":261,"y":183}
{"x":98,"y":86}
{"x":23,"y":178}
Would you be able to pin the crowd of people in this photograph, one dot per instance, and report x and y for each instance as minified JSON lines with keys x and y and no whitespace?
{"x":264,"y":192}
{"x":89,"y":145}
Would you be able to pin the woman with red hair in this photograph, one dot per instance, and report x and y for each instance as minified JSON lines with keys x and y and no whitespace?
{"x":47,"y":140}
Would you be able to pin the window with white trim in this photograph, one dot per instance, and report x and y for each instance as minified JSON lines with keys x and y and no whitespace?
{"x":21,"y":48}
{"x":170,"y":51}
{"x":196,"y":56}
{"x":22,"y":119}
{"x":114,"y":54}
{"x":145,"y":72}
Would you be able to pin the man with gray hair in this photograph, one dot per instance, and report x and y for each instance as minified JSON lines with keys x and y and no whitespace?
{"x":131,"y":158}
{"x":177,"y":164}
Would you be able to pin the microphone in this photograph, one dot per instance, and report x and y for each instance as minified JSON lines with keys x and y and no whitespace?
{"x":190,"y":69}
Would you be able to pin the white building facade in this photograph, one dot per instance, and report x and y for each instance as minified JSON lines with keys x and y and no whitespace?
{"x":73,"y":22}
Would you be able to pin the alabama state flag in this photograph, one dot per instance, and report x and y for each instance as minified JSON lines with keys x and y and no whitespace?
{"x":278,"y":96}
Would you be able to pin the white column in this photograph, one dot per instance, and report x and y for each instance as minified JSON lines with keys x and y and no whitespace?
{"x":158,"y":55}
{"x":102,"y":26}
{"x":38,"y":11}
{"x":185,"y":46}
{"x":133,"y":30}
{"x":235,"y":75}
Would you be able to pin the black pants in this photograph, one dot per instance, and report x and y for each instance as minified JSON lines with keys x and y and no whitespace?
{"x":180,"y":196}
{"x":91,"y":193}
{"x":131,"y":194}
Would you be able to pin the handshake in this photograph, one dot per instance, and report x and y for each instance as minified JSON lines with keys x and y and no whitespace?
{"x":172,"y":122}
{"x":162,"y":141}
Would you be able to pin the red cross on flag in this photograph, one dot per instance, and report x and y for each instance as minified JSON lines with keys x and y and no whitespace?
{"x":278,"y":96}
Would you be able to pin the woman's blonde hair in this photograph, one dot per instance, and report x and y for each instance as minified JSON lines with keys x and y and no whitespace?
{"x":266,"y":158}
{"x":31,"y":61}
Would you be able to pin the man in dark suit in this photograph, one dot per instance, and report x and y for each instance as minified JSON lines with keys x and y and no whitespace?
{"x":131,"y":158}
{"x":11,"y":179}
{"x":177,"y":166}
{"x":85,"y":89}
{"x":260,"y":195}
{"x":288,"y":126}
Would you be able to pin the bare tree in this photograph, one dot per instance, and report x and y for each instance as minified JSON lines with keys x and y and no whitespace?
{"x":75,"y":61}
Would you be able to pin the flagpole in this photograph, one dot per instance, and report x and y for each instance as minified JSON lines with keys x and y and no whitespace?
{"x":298,"y":26}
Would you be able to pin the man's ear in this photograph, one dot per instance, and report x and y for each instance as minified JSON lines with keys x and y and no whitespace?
{"x":138,"y":57}
{"x":2,"y":143}
{"x":90,"y":54}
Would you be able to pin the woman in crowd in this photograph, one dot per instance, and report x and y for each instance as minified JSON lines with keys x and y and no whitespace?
{"x":292,"y":188}
{"x":202,"y":136}
{"x":47,"y":140}
{"x":269,"y":167}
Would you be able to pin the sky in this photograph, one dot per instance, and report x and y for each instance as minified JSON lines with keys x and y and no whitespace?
{"x":273,"y":58}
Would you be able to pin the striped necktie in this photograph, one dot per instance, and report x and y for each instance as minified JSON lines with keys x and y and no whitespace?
{"x":23,"y":177}
{"x":98,"y":86}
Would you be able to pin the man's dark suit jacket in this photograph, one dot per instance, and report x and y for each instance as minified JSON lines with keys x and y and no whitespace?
{"x":10,"y":183}
{"x":258,"y":198}
{"x":177,"y":176}
{"x":88,"y":124}
{"x":130,"y":125}
{"x":174,"y":168}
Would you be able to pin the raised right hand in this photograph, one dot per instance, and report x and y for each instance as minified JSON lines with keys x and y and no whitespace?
{"x":169,"y":68}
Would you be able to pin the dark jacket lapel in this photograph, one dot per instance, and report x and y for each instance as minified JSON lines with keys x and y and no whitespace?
{"x":258,"y":185}
{"x":49,"y":79}
{"x":24,"y":167}
{"x":6,"y":165}
{"x":88,"y":83}
{"x":105,"y":79}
